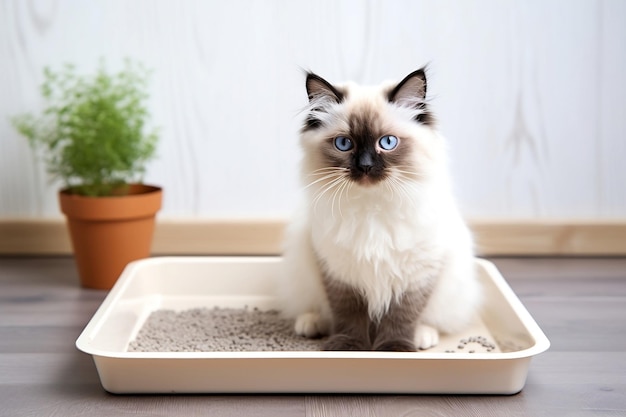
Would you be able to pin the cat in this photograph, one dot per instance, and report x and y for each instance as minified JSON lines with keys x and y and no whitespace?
{"x":378,"y":256}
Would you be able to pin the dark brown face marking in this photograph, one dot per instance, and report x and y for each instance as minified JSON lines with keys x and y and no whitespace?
{"x":366,"y":161}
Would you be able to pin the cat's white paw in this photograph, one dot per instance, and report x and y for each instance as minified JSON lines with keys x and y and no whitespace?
{"x":311,"y":325}
{"x":426,"y":337}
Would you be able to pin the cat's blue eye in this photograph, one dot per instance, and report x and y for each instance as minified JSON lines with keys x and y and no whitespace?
{"x":388,"y":142}
{"x":343,"y":143}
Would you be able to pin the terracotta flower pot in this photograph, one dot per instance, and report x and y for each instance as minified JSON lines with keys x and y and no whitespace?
{"x":109,"y":232}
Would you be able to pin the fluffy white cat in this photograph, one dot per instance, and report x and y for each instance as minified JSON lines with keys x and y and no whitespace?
{"x":377,"y":256}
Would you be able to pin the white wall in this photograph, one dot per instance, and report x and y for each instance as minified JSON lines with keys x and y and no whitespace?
{"x":531,"y":94}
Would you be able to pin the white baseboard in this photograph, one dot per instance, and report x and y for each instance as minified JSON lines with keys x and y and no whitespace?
{"x":263,"y":237}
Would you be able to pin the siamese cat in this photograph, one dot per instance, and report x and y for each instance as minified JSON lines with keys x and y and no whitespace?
{"x":378,"y":256}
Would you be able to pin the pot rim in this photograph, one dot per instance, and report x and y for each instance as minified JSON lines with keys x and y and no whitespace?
{"x":146,"y":201}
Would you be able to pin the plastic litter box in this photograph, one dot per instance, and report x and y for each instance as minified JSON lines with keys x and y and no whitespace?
{"x":181,"y":283}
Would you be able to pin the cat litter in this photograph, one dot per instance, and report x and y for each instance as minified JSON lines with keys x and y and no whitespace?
{"x":210,"y":325}
{"x":219,"y":330}
{"x":248,"y":330}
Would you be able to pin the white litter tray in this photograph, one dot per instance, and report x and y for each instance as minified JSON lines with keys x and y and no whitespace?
{"x":181,"y":283}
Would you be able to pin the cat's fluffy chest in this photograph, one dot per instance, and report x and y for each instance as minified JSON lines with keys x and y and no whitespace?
{"x":382,"y":248}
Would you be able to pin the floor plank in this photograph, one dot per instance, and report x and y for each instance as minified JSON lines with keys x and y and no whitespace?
{"x":90,"y":400}
{"x":568,"y":268}
{"x":591,"y":325}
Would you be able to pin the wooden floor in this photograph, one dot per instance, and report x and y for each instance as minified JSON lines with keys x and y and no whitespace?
{"x":579,"y":303}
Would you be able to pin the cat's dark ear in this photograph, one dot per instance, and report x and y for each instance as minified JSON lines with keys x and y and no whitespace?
{"x":321,"y":94}
{"x":411,"y":92}
{"x":319,"y":88}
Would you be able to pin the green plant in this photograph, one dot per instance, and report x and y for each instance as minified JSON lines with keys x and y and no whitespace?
{"x":92,"y":132}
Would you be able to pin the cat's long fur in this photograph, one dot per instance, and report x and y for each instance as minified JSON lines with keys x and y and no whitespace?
{"x":377,"y":241}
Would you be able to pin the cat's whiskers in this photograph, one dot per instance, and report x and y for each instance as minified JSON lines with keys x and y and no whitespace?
{"x":324,"y":178}
{"x":346,"y":184}
{"x":321,"y":194}
{"x":324,"y":170}
{"x":332,"y":204}
{"x":392,"y":184}
{"x":402,"y":186}
{"x":407,"y":171}
{"x":389,"y":187}
{"x":404,"y":179}
{"x":339,"y":179}
{"x":328,"y":173}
